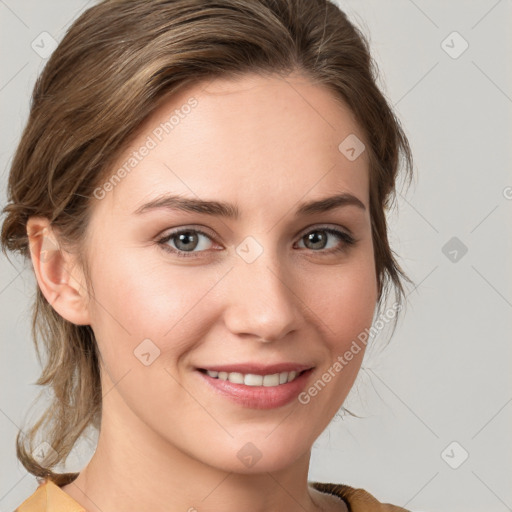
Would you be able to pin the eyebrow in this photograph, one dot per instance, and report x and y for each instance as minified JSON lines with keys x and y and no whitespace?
{"x":231,"y":211}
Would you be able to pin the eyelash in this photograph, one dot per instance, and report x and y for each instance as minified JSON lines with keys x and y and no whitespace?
{"x":345,"y":237}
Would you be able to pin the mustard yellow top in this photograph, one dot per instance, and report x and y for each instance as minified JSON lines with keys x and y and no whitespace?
{"x":49,"y":497}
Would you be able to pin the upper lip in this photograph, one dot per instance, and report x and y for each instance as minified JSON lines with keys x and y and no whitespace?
{"x":258,"y":369}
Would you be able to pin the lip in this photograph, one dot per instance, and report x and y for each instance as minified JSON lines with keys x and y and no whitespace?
{"x":257,"y":397}
{"x":258,"y":369}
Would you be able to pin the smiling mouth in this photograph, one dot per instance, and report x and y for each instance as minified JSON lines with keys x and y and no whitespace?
{"x":251,"y":379}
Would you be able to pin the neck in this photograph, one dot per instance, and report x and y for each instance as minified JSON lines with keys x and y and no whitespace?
{"x":134,"y":469}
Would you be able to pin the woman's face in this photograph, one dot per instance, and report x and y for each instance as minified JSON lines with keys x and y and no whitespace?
{"x":274,"y":284}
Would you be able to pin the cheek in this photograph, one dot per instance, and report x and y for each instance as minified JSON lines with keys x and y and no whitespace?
{"x":175,"y":306}
{"x":135,"y":301}
{"x":345,"y":304}
{"x":344,"y":297}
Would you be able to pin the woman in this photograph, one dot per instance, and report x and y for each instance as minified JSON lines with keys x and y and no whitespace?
{"x":201,"y":189}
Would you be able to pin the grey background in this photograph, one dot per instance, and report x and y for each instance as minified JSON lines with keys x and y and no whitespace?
{"x":445,"y":376}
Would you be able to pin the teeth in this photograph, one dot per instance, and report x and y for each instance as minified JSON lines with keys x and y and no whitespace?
{"x":250,"y":379}
{"x":235,"y":377}
{"x":271,"y":380}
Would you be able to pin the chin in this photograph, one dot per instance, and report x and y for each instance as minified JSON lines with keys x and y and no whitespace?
{"x":258,"y":452}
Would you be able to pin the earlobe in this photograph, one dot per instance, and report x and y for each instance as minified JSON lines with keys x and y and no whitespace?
{"x":57,"y":273}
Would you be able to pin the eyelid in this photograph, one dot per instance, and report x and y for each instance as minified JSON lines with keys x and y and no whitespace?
{"x":192,"y":227}
{"x":313,"y":227}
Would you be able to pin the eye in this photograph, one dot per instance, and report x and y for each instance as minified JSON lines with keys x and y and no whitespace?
{"x":318,"y":240}
{"x":185,"y":241}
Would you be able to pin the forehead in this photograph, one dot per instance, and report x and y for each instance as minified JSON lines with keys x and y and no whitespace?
{"x":243,"y":139}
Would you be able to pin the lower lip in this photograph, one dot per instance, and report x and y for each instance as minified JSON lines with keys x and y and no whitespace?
{"x":259,"y":397}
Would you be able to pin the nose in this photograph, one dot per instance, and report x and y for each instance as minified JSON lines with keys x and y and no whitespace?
{"x":263,"y":299}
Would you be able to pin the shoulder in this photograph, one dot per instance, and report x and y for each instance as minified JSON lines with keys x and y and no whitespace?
{"x":49,"y":497}
{"x":357,"y":499}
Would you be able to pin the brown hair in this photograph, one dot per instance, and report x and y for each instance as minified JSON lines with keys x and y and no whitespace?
{"x":116,"y":64}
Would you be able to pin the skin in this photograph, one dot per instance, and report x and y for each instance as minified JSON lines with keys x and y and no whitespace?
{"x":167,"y":442}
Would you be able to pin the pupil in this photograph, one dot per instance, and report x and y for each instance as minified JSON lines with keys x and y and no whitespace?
{"x":314,"y":237}
{"x":182,"y":238}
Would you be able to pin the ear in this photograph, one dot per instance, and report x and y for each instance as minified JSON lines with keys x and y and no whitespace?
{"x":58,"y":274}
